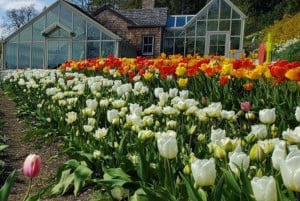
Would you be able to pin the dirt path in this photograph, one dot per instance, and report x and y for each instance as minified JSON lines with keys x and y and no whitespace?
{"x":18,"y":149}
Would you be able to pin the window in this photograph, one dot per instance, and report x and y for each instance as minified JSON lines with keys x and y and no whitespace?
{"x":147,"y":45}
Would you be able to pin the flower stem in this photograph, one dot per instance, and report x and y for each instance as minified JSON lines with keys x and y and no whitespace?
{"x":28,"y":190}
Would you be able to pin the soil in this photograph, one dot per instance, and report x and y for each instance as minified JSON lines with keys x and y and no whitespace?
{"x":15,"y":130}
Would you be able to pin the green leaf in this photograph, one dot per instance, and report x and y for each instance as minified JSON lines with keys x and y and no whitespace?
{"x":3,"y":146}
{"x":72,"y":163}
{"x":118,"y":173}
{"x":219,"y":189}
{"x":232,"y":182}
{"x":64,"y":183}
{"x":139,"y":195}
{"x":81,"y":174}
{"x":193,"y":195}
{"x":5,"y":189}
{"x":202,"y":194}
{"x":112,"y":182}
{"x":159,"y":193}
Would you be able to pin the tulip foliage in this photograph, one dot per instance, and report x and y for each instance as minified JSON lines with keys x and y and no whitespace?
{"x":176,"y":128}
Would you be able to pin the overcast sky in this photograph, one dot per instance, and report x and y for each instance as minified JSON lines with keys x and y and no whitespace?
{"x":10,"y":4}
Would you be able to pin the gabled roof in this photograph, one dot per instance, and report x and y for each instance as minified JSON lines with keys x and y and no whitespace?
{"x":72,"y":7}
{"x":234,"y":7}
{"x":147,"y":17}
{"x":155,"y":17}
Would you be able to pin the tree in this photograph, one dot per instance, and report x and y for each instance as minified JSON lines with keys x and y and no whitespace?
{"x":15,"y":18}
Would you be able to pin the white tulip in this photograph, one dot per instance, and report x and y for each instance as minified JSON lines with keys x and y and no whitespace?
{"x":279,"y":154}
{"x":71,"y":117}
{"x":267,"y":116}
{"x":173,"y":92}
{"x":100,"y":133}
{"x":158,"y":91}
{"x":213,"y":109}
{"x":264,"y":188}
{"x":292,"y":136}
{"x":290,"y":171}
{"x":112,"y":114}
{"x":91,"y":103}
{"x":167,"y":145}
{"x":204,"y":171}
{"x":259,"y":131}
{"x":238,"y":159}
{"x":217,"y":135}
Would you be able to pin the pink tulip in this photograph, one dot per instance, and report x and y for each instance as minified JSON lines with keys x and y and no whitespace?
{"x":246,"y":106}
{"x":32,"y":165}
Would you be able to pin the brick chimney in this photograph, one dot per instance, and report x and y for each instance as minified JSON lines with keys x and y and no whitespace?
{"x":148,"y":4}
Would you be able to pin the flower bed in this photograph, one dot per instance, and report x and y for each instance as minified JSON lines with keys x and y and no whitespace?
{"x":177,"y":128}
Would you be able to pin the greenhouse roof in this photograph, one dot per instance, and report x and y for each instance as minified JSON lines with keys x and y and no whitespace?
{"x":177,"y":21}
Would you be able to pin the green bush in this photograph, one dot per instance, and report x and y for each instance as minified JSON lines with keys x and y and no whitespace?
{"x":290,"y":50}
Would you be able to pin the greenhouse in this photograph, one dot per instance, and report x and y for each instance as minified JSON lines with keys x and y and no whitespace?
{"x":62,"y":32}
{"x":215,"y":29}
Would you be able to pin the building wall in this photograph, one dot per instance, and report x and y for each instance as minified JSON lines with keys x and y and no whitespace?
{"x":131,"y":35}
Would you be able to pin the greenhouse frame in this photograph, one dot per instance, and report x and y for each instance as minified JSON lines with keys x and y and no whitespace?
{"x":62,"y":32}
{"x":216,"y":29}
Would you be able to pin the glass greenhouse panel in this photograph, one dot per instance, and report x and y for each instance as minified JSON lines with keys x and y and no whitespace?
{"x":180,"y":21}
{"x":37,"y":29}
{"x":225,"y":12}
{"x":191,"y":30}
{"x":11,"y":56}
{"x":200,"y":45}
{"x":179,"y":46}
{"x":58,"y":51}
{"x":169,"y":46}
{"x":107,"y":48}
{"x":78,"y":50}
{"x":37,"y":55}
{"x":92,"y":50}
{"x":224,"y":25}
{"x":213,"y":11}
{"x":235,"y":15}
{"x":190,"y":45}
{"x":24,"y":55}
{"x":65,"y":17}
{"x":105,"y":37}
{"x":26,"y":34}
{"x":79,"y":28}
{"x":93,"y":33}
{"x":235,"y":27}
{"x":201,"y":28}
{"x":235,"y":43}
{"x":212,"y":25}
{"x":52,"y":16}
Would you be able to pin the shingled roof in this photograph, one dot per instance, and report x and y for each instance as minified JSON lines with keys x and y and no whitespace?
{"x":146,"y":17}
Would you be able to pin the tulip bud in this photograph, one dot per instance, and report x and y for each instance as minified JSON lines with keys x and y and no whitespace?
{"x":245,"y":106}
{"x":32,"y":165}
{"x":201,"y":137}
{"x":187,"y":169}
{"x":219,"y":152}
{"x":257,"y":153}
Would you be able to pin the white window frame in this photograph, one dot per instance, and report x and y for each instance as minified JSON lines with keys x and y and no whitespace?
{"x":152,"y":44}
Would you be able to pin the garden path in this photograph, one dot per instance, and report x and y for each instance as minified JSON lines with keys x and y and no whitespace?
{"x":14,"y":130}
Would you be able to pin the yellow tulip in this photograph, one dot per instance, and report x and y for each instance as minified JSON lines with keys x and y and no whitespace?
{"x":182,"y":82}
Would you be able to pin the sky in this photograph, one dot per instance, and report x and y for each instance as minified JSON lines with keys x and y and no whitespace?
{"x":10,"y":4}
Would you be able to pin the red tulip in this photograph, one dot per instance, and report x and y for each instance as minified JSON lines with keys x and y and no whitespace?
{"x":32,"y":165}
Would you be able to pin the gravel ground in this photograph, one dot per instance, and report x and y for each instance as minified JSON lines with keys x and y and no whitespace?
{"x":14,"y":129}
